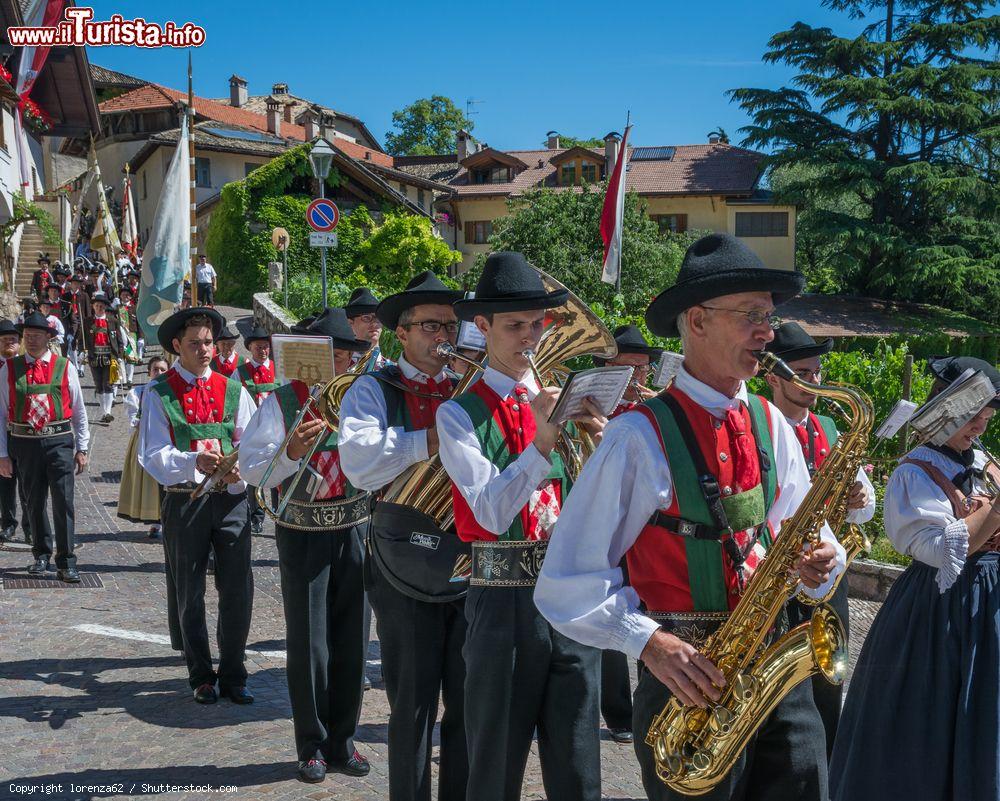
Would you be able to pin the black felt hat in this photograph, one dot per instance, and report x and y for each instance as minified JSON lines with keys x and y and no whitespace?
{"x":60,"y":270}
{"x":717,"y":265}
{"x":100,"y":297}
{"x":8,"y":327}
{"x":332,"y":322}
{"x":424,"y":288}
{"x":171,"y":327}
{"x":226,"y":333}
{"x":302,"y":326}
{"x":631,"y":340}
{"x":949,"y":368}
{"x":44,"y":259}
{"x":256,"y":335}
{"x":35,"y":320}
{"x":508,"y":284}
{"x":792,"y":343}
{"x":362,"y":301}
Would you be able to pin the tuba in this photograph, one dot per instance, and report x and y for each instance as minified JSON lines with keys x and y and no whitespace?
{"x":696,"y":748}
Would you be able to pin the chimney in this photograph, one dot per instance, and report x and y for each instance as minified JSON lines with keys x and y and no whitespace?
{"x":463,"y":139}
{"x":237,"y":91}
{"x":274,"y":116}
{"x":553,"y":141}
{"x":611,"y":140}
{"x":288,"y":112}
{"x":279,"y":89}
{"x":713,"y":138}
{"x":310,"y":121}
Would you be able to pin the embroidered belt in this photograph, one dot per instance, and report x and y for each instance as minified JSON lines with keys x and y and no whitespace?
{"x":507,"y":563}
{"x":696,"y":627}
{"x":332,"y":515}
{"x":190,"y":486}
{"x":48,"y":430}
{"x":101,"y":355}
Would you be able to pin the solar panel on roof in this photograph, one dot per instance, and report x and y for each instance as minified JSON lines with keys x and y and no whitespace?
{"x":248,"y":136}
{"x":652,"y":153}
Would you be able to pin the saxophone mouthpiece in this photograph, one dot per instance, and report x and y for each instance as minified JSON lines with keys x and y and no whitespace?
{"x":770,"y":363}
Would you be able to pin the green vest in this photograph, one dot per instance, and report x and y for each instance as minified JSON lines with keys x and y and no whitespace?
{"x":185,"y":434}
{"x":246,"y":379}
{"x":53,"y":389}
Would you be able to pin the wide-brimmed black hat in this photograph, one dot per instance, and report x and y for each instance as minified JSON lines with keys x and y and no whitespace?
{"x":256,"y":335}
{"x":60,"y":270}
{"x":717,"y":265}
{"x":8,"y":327}
{"x":43,"y":259}
{"x":226,"y":333}
{"x":948,"y":368}
{"x":28,"y":300}
{"x":362,"y":301}
{"x":508,"y":284}
{"x":792,"y":343}
{"x":174,"y":324}
{"x":35,"y":320}
{"x":332,"y":322}
{"x":424,"y":288}
{"x":631,"y":340}
{"x":100,"y":297}
{"x":76,"y":277}
{"x":302,"y":326}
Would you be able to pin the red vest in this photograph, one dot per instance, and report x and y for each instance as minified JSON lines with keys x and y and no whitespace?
{"x":226,"y":368}
{"x":185,"y":393}
{"x":100,"y":332}
{"x":813,"y":428}
{"x":621,"y":408}
{"x":13,"y":367}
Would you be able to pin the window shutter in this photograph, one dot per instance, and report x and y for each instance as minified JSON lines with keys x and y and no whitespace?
{"x":470,"y":232}
{"x":682,"y":223}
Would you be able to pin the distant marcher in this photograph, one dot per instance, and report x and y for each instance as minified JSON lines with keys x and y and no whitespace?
{"x":208,"y":282}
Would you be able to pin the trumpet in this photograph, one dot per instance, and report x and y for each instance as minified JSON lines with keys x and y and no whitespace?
{"x":991,"y":470}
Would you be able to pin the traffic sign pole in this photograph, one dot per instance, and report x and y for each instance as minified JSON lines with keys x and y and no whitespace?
{"x":322,"y":215}
{"x":322,"y":252}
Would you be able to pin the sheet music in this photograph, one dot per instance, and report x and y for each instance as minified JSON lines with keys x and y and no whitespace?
{"x":670,"y":363}
{"x":470,"y":337}
{"x":308,"y":359}
{"x":604,"y":385}
{"x":944,"y":414}
{"x":898,"y":417}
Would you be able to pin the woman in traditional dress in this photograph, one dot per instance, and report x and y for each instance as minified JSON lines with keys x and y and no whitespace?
{"x":922,"y":714}
{"x":139,"y":494}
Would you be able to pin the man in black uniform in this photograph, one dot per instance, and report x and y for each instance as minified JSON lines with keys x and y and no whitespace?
{"x":103,"y":345}
{"x":10,"y":488}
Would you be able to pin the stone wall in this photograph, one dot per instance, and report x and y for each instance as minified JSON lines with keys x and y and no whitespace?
{"x":870,"y":581}
{"x":270,"y":316}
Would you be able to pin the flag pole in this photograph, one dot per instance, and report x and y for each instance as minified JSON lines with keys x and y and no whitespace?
{"x":194,"y":202}
{"x":621,"y":261}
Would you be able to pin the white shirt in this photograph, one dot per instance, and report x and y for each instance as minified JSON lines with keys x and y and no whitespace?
{"x":264,"y":434}
{"x":866,"y":512}
{"x":918,"y":517}
{"x":56,"y":325}
{"x":371,"y":452}
{"x":205,"y":273}
{"x":133,"y":401}
{"x":495,"y":497}
{"x":157,"y":454}
{"x":81,"y":428}
{"x":580,"y":588}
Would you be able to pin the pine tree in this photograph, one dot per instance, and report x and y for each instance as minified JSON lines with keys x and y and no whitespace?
{"x":904,"y":118}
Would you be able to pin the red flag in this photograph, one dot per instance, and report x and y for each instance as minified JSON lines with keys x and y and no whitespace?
{"x":611,"y":216}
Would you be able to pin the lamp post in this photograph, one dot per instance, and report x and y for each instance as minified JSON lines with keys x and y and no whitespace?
{"x":320,"y":158}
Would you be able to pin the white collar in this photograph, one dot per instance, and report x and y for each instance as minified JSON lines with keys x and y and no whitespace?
{"x":411,"y":373}
{"x":945,"y":464}
{"x":256,"y":364}
{"x":504,"y":385}
{"x":796,"y":423}
{"x":711,"y":400}
{"x":188,"y":376}
{"x":44,"y":358}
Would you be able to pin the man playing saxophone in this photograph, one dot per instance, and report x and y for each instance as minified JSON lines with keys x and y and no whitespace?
{"x":691,"y":489}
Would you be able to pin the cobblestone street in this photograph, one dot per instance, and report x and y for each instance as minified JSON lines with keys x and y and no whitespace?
{"x":91,"y":693}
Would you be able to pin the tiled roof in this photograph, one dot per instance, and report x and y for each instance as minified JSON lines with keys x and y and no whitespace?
{"x":694,"y":169}
{"x":206,"y":139}
{"x":153,"y":96}
{"x":397,"y":174}
{"x":441,"y":168}
{"x":102,"y":75}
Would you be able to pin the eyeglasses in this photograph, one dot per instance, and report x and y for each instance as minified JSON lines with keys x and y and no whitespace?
{"x":367,"y":318}
{"x":755,"y":317}
{"x":434,"y":326}
{"x":805,"y":374}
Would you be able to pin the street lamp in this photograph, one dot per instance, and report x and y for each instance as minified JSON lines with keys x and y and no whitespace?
{"x":320,"y":159}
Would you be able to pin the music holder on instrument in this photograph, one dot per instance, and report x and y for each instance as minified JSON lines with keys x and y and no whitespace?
{"x":308,"y":359}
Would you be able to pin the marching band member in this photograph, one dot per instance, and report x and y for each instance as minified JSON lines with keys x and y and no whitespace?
{"x":103,"y":344}
{"x":50,"y":313}
{"x":817,"y":434}
{"x":226,"y":359}
{"x":387,"y":425}
{"x":360,"y":311}
{"x":509,"y":484}
{"x":192,"y":417}
{"x":42,"y":277}
{"x":44,"y":431}
{"x":920,"y":719}
{"x":640,"y":497}
{"x":256,"y":375}
{"x":12,"y":490}
{"x":320,"y":551}
{"x":77,"y":304}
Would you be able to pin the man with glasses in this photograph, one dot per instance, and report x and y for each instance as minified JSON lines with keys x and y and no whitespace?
{"x":387,"y":425}
{"x":817,"y":434}
{"x":691,"y":488}
{"x":360,"y":311}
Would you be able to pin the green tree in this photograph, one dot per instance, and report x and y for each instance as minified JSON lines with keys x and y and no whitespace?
{"x":879,"y":122}
{"x":426,"y":126}
{"x":572,"y":141}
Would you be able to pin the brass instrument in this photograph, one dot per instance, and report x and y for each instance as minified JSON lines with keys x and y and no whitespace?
{"x":696,"y":748}
{"x":991,"y":470}
{"x":222,"y":469}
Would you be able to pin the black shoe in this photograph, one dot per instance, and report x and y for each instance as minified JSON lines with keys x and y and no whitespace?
{"x":210,"y":568}
{"x":238,"y":695}
{"x":313,"y":771}
{"x":40,"y":566}
{"x":206,"y":694}
{"x":154,"y":532}
{"x":69,"y":575}
{"x":7,"y":535}
{"x":354,"y":765}
{"x":623,"y":736}
{"x":256,"y":527}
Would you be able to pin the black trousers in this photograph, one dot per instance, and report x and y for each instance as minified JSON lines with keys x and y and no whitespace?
{"x":322,"y":591}
{"x":616,"y":691}
{"x":12,"y":493}
{"x":218,"y":522}
{"x":256,"y":510}
{"x":421,"y":660}
{"x":44,"y":466}
{"x":524,"y":675}
{"x":828,"y":697}
{"x":102,"y":379}
{"x":206,"y":295}
{"x":784,"y":760}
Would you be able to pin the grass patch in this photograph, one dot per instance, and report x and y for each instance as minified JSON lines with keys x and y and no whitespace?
{"x":882,"y":551}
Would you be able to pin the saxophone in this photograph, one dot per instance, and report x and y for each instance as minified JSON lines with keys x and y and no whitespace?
{"x":696,"y":748}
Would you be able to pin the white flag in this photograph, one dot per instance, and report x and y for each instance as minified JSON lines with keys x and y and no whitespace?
{"x":130,"y":232}
{"x":612,"y":214}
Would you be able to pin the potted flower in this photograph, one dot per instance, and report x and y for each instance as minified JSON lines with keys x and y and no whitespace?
{"x":34,"y":118}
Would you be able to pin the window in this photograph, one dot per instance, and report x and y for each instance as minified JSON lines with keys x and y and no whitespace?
{"x":762,"y":223}
{"x":567,"y":174}
{"x":249,"y":167}
{"x":420,"y":198}
{"x":477,"y":232}
{"x":491,"y":175}
{"x":671,"y":223}
{"x":202,"y":172}
{"x":588,"y":172}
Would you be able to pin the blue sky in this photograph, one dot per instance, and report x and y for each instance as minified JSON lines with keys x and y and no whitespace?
{"x":575,"y":68}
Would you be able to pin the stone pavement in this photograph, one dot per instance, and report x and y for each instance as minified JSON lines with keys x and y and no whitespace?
{"x":94,"y":703}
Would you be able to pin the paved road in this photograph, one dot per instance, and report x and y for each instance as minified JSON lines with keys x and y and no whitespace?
{"x":94,"y":703}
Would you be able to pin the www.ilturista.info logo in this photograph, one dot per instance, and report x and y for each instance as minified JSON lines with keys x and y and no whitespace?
{"x":78,"y":29}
